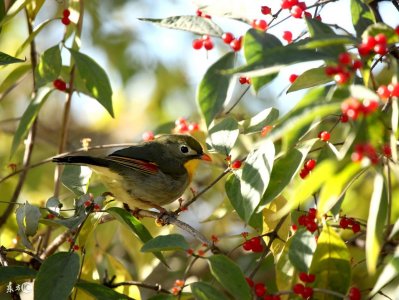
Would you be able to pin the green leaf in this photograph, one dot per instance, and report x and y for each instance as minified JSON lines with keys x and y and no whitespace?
{"x":301,"y":250}
{"x":194,"y":24}
{"x":331,"y":264}
{"x":99,"y":291}
{"x":49,"y":66}
{"x":332,"y":190}
{"x":284,"y":170}
{"x":257,"y":122}
{"x":362,"y":16}
{"x":136,"y":226}
{"x":76,"y":178}
{"x":53,"y":205}
{"x":205,"y":291}
{"x":223,"y":136}
{"x":310,"y":78}
{"x":14,"y":273}
{"x":257,"y":42}
{"x":389,"y":273}
{"x":212,"y":90}
{"x":284,"y":268}
{"x":6,"y":59}
{"x":28,"y":117}
{"x":255,"y":176}
{"x":13,"y":77}
{"x":376,"y":223}
{"x":64,"y":266}
{"x":230,"y":276}
{"x":165,"y":243}
{"x":28,"y":221}
{"x":32,"y":36}
{"x":15,"y":8}
{"x":95,"y":79}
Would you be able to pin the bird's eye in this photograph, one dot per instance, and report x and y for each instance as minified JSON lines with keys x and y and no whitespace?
{"x":184,"y":149}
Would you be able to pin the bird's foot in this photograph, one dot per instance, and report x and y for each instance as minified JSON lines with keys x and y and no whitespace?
{"x":164,"y":216}
{"x":134,"y":212}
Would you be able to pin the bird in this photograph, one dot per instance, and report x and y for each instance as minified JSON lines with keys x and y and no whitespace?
{"x":150,"y":174}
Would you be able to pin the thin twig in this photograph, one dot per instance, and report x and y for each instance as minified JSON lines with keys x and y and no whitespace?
{"x":155,"y":287}
{"x":238,"y":100}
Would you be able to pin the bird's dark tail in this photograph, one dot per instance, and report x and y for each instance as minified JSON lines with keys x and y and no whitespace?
{"x":82,"y":160}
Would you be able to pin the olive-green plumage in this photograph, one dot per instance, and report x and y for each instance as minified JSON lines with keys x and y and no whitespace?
{"x":150,"y":174}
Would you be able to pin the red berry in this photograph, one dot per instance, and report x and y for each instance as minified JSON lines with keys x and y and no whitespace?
{"x":369,"y":106}
{"x":247,"y":246}
{"x":303,"y":276}
{"x":50,"y":216}
{"x":344,"y":223}
{"x":266,"y":10}
{"x":265,"y":130}
{"x":75,"y":247}
{"x":227,"y":37}
{"x":307,"y":15}
{"x":236,"y":44}
{"x":397,"y":30}
{"x":257,"y":248}
{"x":381,"y":49}
{"x":394,"y":89}
{"x":206,"y":37}
{"x":287,"y":35}
{"x":383,"y":92}
{"x":304,"y":172}
{"x":310,"y":164}
{"x":59,"y":84}
{"x":370,"y":42}
{"x":292,"y":78}
{"x":296,"y":11}
{"x":318,"y":18}
{"x":344,"y":118}
{"x":311,"y":278}
{"x":249,"y":281}
{"x":307,"y":292}
{"x":356,"y":227}
{"x":312,"y":213}
{"x":148,"y":136}
{"x":380,"y":39}
{"x":356,"y":156}
{"x":298,"y":288}
{"x":236,"y":164}
{"x":66,"y":13}
{"x":287,"y":4}
{"x":96,"y":207}
{"x":193,"y":127}
{"x":345,"y":58}
{"x":242,"y":79}
{"x":294,"y":227}
{"x":65,"y":21}
{"x":330,"y":70}
{"x":87,"y":203}
{"x":386,"y":149}
{"x":259,"y":24}
{"x":303,"y":220}
{"x":354,"y":294}
{"x":311,"y":226}
{"x":208,"y":16}
{"x":342,"y":77}
{"x":208,"y":44}
{"x":357,"y":64}
{"x":197,"y":44}
{"x":260,"y":289}
{"x":199,"y":13}
{"x":325,"y":136}
{"x":363,"y":49}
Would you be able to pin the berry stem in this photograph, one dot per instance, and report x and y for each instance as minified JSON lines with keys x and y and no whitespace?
{"x":237,"y":101}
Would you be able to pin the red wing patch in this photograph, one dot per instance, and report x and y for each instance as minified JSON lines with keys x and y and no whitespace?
{"x":137,"y":164}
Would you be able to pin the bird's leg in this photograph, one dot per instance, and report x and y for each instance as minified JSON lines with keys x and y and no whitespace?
{"x":135,"y":212}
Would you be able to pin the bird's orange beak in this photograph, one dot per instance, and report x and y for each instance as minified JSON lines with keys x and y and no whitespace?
{"x":206,"y":157}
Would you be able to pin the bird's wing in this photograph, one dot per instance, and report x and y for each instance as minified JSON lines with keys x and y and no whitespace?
{"x":134,"y":163}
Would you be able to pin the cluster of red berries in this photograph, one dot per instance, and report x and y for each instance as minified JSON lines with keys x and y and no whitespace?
{"x":309,"y":220}
{"x":254,"y":244}
{"x":72,"y":242}
{"x":349,"y":223}
{"x":302,"y":290}
{"x":199,"y":13}
{"x":324,"y":136}
{"x":296,"y":7}
{"x":292,"y":78}
{"x":90,"y":204}
{"x":148,"y":136}
{"x":259,"y":24}
{"x":287,"y":35}
{"x":354,"y":293}
{"x":235,"y":43}
{"x":342,"y":72}
{"x":260,"y":290}
{"x":373,"y":44}
{"x":352,"y":108}
{"x":205,"y":42}
{"x":365,"y":150}
{"x":65,"y":17}
{"x":387,"y":91}
{"x":244,"y":80}
{"x":60,"y":84}
{"x":183,"y":126}
{"x":308,"y":166}
{"x":191,"y":251}
{"x":177,"y":287}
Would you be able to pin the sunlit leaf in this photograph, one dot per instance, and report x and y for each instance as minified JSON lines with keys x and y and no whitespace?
{"x":165,"y":243}
{"x":14,"y":76}
{"x":15,"y":8}
{"x":301,"y":250}
{"x":6,"y":59}
{"x":65,"y":267}
{"x":230,"y":276}
{"x":212,"y":90}
{"x":362,"y":16}
{"x":206,"y":291}
{"x":310,"y":78}
{"x":28,"y":221}
{"x":284,"y":269}
{"x":331,"y":264}
{"x":53,"y":205}
{"x":223,"y":135}
{"x":28,"y":117}
{"x":194,"y":24}
{"x":76,"y":178}
{"x":260,"y":120}
{"x":95,"y":79}
{"x":376,"y":223}
{"x":49,"y":66}
{"x":100,"y":291}
{"x":389,"y":273}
